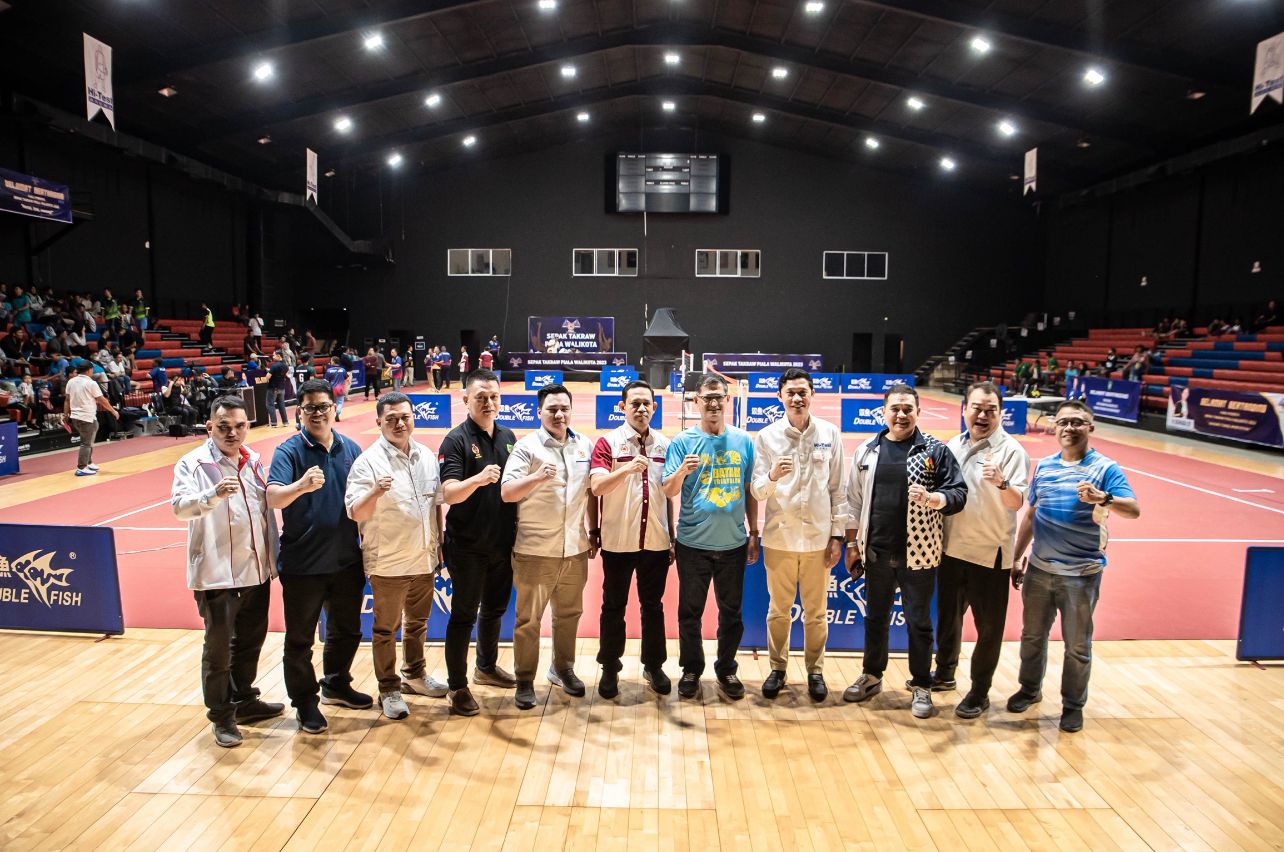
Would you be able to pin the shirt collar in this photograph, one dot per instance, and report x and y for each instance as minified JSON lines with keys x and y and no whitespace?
{"x":548,"y":440}
{"x":996,"y":438}
{"x":393,"y":452}
{"x":335,"y":443}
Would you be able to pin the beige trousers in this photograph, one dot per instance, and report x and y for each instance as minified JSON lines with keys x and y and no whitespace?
{"x":404,"y":602}
{"x":805,"y":576}
{"x":541,"y":580}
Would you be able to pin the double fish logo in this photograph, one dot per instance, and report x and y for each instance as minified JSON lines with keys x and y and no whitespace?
{"x":854,"y":591}
{"x":767,"y":414}
{"x":36,"y":570}
{"x":516,"y":410}
{"x":426,"y":410}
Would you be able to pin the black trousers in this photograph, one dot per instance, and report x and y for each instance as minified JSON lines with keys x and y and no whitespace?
{"x":207,"y":335}
{"x":373,"y":382}
{"x":959,"y":585}
{"x":235,"y":627}
{"x":726,"y":570}
{"x":185,"y":413}
{"x":481,"y":586}
{"x":652,"y":568}
{"x":304,"y":596}
{"x":917,"y":585}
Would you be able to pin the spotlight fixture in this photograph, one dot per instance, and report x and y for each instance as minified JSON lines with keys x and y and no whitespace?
{"x":1007,"y":128}
{"x":547,"y":5}
{"x":1094,"y":76}
{"x":374,"y":41}
{"x":780,"y":72}
{"x":263,"y":71}
{"x":264,"y":139}
{"x":394,"y":159}
{"x":432,"y":101}
{"x":813,"y":7}
{"x":343,"y":124}
{"x":1083,"y":142}
{"x":582,"y":117}
{"x":330,"y":173}
{"x":948,"y":164}
{"x":671,"y":58}
{"x":167,"y":91}
{"x":981,"y":45}
{"x":871,"y":143}
{"x":568,"y":71}
{"x":759,"y":118}
{"x":1195,"y":94}
{"x":915,"y":103}
{"x":668,"y":106}
{"x":470,"y":141}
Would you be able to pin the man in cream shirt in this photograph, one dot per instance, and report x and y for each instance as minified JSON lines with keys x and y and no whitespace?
{"x":394,"y":495}
{"x":798,"y":470}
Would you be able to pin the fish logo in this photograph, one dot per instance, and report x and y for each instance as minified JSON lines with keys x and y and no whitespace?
{"x":443,"y":589}
{"x":35,"y":569}
{"x":426,"y":411}
{"x":516,"y":410}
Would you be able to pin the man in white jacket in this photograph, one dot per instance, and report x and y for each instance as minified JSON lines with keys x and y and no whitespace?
{"x":798,"y":470}
{"x":220,"y":489}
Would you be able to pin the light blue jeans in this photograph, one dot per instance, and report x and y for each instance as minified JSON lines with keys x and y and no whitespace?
{"x":1043,"y":596}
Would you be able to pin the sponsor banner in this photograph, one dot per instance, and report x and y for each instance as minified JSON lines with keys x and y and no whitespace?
{"x":310,"y":187}
{"x":750,"y":362}
{"x":59,"y":578}
{"x":443,"y":590}
{"x":32,"y":196}
{"x":536,"y":379}
{"x":565,"y":360}
{"x":8,"y":448}
{"x":675,"y":381}
{"x":518,"y":411}
{"x":1255,"y":418}
{"x":1014,"y":417}
{"x":1031,"y":183}
{"x":609,"y":414}
{"x":764,"y":382}
{"x":98,"y":88}
{"x":862,"y":415}
{"x":1268,"y":72}
{"x":1117,"y":399}
{"x":845,"y":613}
{"x":874,"y":383}
{"x":1261,"y":618}
{"x":762,"y":412}
{"x":571,"y":334}
{"x":827,"y":382}
{"x":616,"y":378}
{"x":356,"y":374}
{"x":432,"y":410}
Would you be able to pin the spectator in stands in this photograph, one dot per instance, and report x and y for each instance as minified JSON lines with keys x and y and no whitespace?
{"x":1180,"y":328}
{"x":374,"y":363}
{"x":111,"y":312}
{"x":337,"y":376}
{"x":287,"y":353}
{"x":1137,"y":366}
{"x":115,"y":368}
{"x":141,"y":312}
{"x":20,"y":306}
{"x":207,"y":326}
{"x":309,"y":342}
{"x":229,"y":383}
{"x":1020,"y":375}
{"x":1163,"y":329}
{"x":1216,"y":328}
{"x":278,"y":388}
{"x":255,"y":326}
{"x":13,"y":402}
{"x":177,"y":400}
{"x":1033,"y":378}
{"x":1268,"y":316}
{"x":293,"y":339}
{"x":1235,"y":327}
{"x":1071,"y":380}
{"x":1111,"y":362}
{"x":158,"y":376}
{"x":81,"y":404}
{"x":130,"y":335}
{"x":236,"y":314}
{"x":251,"y":348}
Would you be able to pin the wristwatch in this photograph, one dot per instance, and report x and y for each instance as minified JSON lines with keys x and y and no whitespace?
{"x":1110,"y":498}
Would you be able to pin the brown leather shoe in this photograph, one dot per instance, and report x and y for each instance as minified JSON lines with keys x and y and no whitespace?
{"x":462,"y":702}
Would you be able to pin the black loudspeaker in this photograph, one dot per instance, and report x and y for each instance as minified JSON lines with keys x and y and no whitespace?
{"x":664,"y":337}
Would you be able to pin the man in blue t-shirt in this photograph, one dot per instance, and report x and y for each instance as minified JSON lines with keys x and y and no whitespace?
{"x":1071,"y":494}
{"x":158,"y":376}
{"x":711,"y":466}
{"x":337,"y":376}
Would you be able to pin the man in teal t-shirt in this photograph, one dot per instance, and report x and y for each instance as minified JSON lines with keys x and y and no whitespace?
{"x":711,"y":465}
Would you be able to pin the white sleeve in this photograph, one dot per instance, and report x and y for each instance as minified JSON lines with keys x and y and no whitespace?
{"x":361,"y":479}
{"x":191,"y":497}
{"x":518,"y":464}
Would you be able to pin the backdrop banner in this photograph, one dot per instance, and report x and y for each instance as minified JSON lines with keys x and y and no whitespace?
{"x":609,"y":415}
{"x":536,"y":379}
{"x":59,"y":578}
{"x":874,"y":383}
{"x":752,"y":362}
{"x":589,"y":361}
{"x":518,"y":411}
{"x":432,"y":410}
{"x":571,"y":334}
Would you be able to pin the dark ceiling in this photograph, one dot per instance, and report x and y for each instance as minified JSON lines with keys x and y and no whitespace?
{"x":497,"y":65}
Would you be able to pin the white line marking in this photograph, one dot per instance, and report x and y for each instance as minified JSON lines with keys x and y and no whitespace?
{"x":1253,"y":490}
{"x":153,"y":529}
{"x":1205,"y":490}
{"x":1200,"y":540}
{"x":133,"y":512}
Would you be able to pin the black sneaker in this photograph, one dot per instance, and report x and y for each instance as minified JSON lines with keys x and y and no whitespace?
{"x":256,"y":710}
{"x":346,"y":696}
{"x":226,"y":734}
{"x":311,"y":721}
{"x":938,"y":684}
{"x":608,"y":685}
{"x":1021,"y":700}
{"x":816,"y":688}
{"x":525,"y":696}
{"x":689,"y":685}
{"x":972,"y":705}
{"x":1071,"y":720}
{"x":568,"y":681}
{"x":658,"y":681}
{"x":773,"y":684}
{"x":462,"y":702}
{"x":731,"y":687}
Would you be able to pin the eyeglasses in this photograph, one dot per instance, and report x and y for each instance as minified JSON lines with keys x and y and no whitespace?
{"x":314,"y":408}
{"x":1073,"y":423}
{"x":713,"y":397}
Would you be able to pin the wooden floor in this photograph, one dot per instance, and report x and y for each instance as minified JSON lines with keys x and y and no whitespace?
{"x":104,"y":745}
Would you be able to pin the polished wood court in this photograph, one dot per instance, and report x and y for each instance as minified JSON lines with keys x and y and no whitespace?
{"x":104,"y":745}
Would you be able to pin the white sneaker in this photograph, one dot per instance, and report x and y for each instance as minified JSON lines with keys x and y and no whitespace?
{"x":428,"y":686}
{"x":393,"y":705}
{"x":921,"y":706}
{"x":92,"y":467}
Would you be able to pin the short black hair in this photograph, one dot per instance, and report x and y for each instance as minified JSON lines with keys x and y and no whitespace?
{"x":792,"y":374}
{"x":228,"y":403}
{"x":635,"y":384}
{"x":83,"y":366}
{"x":901,"y":387}
{"x":986,"y":387}
{"x":388,"y":399}
{"x":548,"y":390}
{"x":1077,"y":405}
{"x":711,"y":379}
{"x":315,"y":386}
{"x":480,"y":375}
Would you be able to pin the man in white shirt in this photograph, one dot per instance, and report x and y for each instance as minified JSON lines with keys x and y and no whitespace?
{"x":220,"y":489}
{"x":637,"y":535}
{"x":798,"y":471}
{"x":82,"y":400}
{"x":394,"y":495}
{"x":547,"y":475}
{"x":978,"y":544}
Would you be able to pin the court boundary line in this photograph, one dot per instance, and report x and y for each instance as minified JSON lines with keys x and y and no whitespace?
{"x":1204,"y":490}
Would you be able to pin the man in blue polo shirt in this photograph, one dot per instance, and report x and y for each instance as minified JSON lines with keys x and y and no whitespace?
{"x":158,"y":376}
{"x":320,"y":560}
{"x":711,"y":466}
{"x":1071,"y":494}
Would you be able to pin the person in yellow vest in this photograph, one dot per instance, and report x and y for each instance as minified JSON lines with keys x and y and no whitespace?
{"x":207,"y":330}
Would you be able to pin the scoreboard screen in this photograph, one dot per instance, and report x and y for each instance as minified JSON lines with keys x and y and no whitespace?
{"x":666,"y":183}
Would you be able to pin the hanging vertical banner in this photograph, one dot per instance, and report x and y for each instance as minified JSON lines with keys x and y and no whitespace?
{"x":98,"y":95}
{"x":1031,"y":171}
{"x":311,"y":188}
{"x":1268,"y":72}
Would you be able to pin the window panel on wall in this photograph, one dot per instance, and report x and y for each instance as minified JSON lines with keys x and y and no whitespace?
{"x":604,"y":262}
{"x":728,"y":263}
{"x":458,"y":261}
{"x":502,"y":262}
{"x":479,"y":261}
{"x":854,"y":265}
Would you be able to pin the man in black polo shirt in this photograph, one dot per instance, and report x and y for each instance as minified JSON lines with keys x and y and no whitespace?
{"x":480,"y":530}
{"x":320,"y":560}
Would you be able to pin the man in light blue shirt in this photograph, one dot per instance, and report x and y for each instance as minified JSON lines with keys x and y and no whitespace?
{"x":711,"y":466}
{"x":1071,"y":494}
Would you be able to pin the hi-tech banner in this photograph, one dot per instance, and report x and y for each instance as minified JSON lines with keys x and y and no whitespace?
{"x":518,"y":411}
{"x":862,"y":415}
{"x":762,"y":412}
{"x":609,"y":415}
{"x":1117,"y":399}
{"x":31,"y":196}
{"x":589,"y":361}
{"x":59,"y":578}
{"x":536,"y":379}
{"x":754,"y":362}
{"x":617,"y":378}
{"x":874,"y":383}
{"x":571,"y":334}
{"x":1255,"y":418}
{"x":432,"y":410}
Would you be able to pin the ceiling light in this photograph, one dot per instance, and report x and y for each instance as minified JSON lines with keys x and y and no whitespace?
{"x":470,"y":141}
{"x":814,"y":7}
{"x":547,"y":5}
{"x":432,"y":101}
{"x":343,"y":124}
{"x":329,"y":172}
{"x":1014,"y":176}
{"x":668,"y":106}
{"x":1094,"y":76}
{"x":915,"y":103}
{"x":394,"y":159}
{"x":871,"y":143}
{"x":671,"y":58}
{"x":780,"y":72}
{"x":374,"y":41}
{"x":1195,"y":94}
{"x":981,"y":45}
{"x":759,"y":118}
{"x":264,"y":139}
{"x":1007,"y":128}
{"x":582,"y":117}
{"x":1083,"y":142}
{"x":167,"y":92}
{"x":568,"y":71}
{"x":947,"y":164}
{"x":263,"y":71}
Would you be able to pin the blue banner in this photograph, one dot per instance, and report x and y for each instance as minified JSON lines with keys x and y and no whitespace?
{"x":827,"y":382}
{"x":571,"y":334}
{"x":432,"y":410}
{"x":874,"y":383}
{"x":443,"y":590}
{"x":8,"y":448}
{"x":762,"y":412}
{"x":518,"y":411}
{"x":59,"y":578}
{"x":582,"y":361}
{"x":1117,"y":399}
{"x":356,"y":374}
{"x":536,"y":379}
{"x":31,"y":196}
{"x":609,"y":414}
{"x":616,"y":378}
{"x":1256,"y":418}
{"x":764,"y":382}
{"x":862,"y":415}
{"x":1261,"y":615}
{"x":750,"y":362}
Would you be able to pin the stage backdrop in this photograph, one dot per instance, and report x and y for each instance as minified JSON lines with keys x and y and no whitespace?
{"x":571,"y":334}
